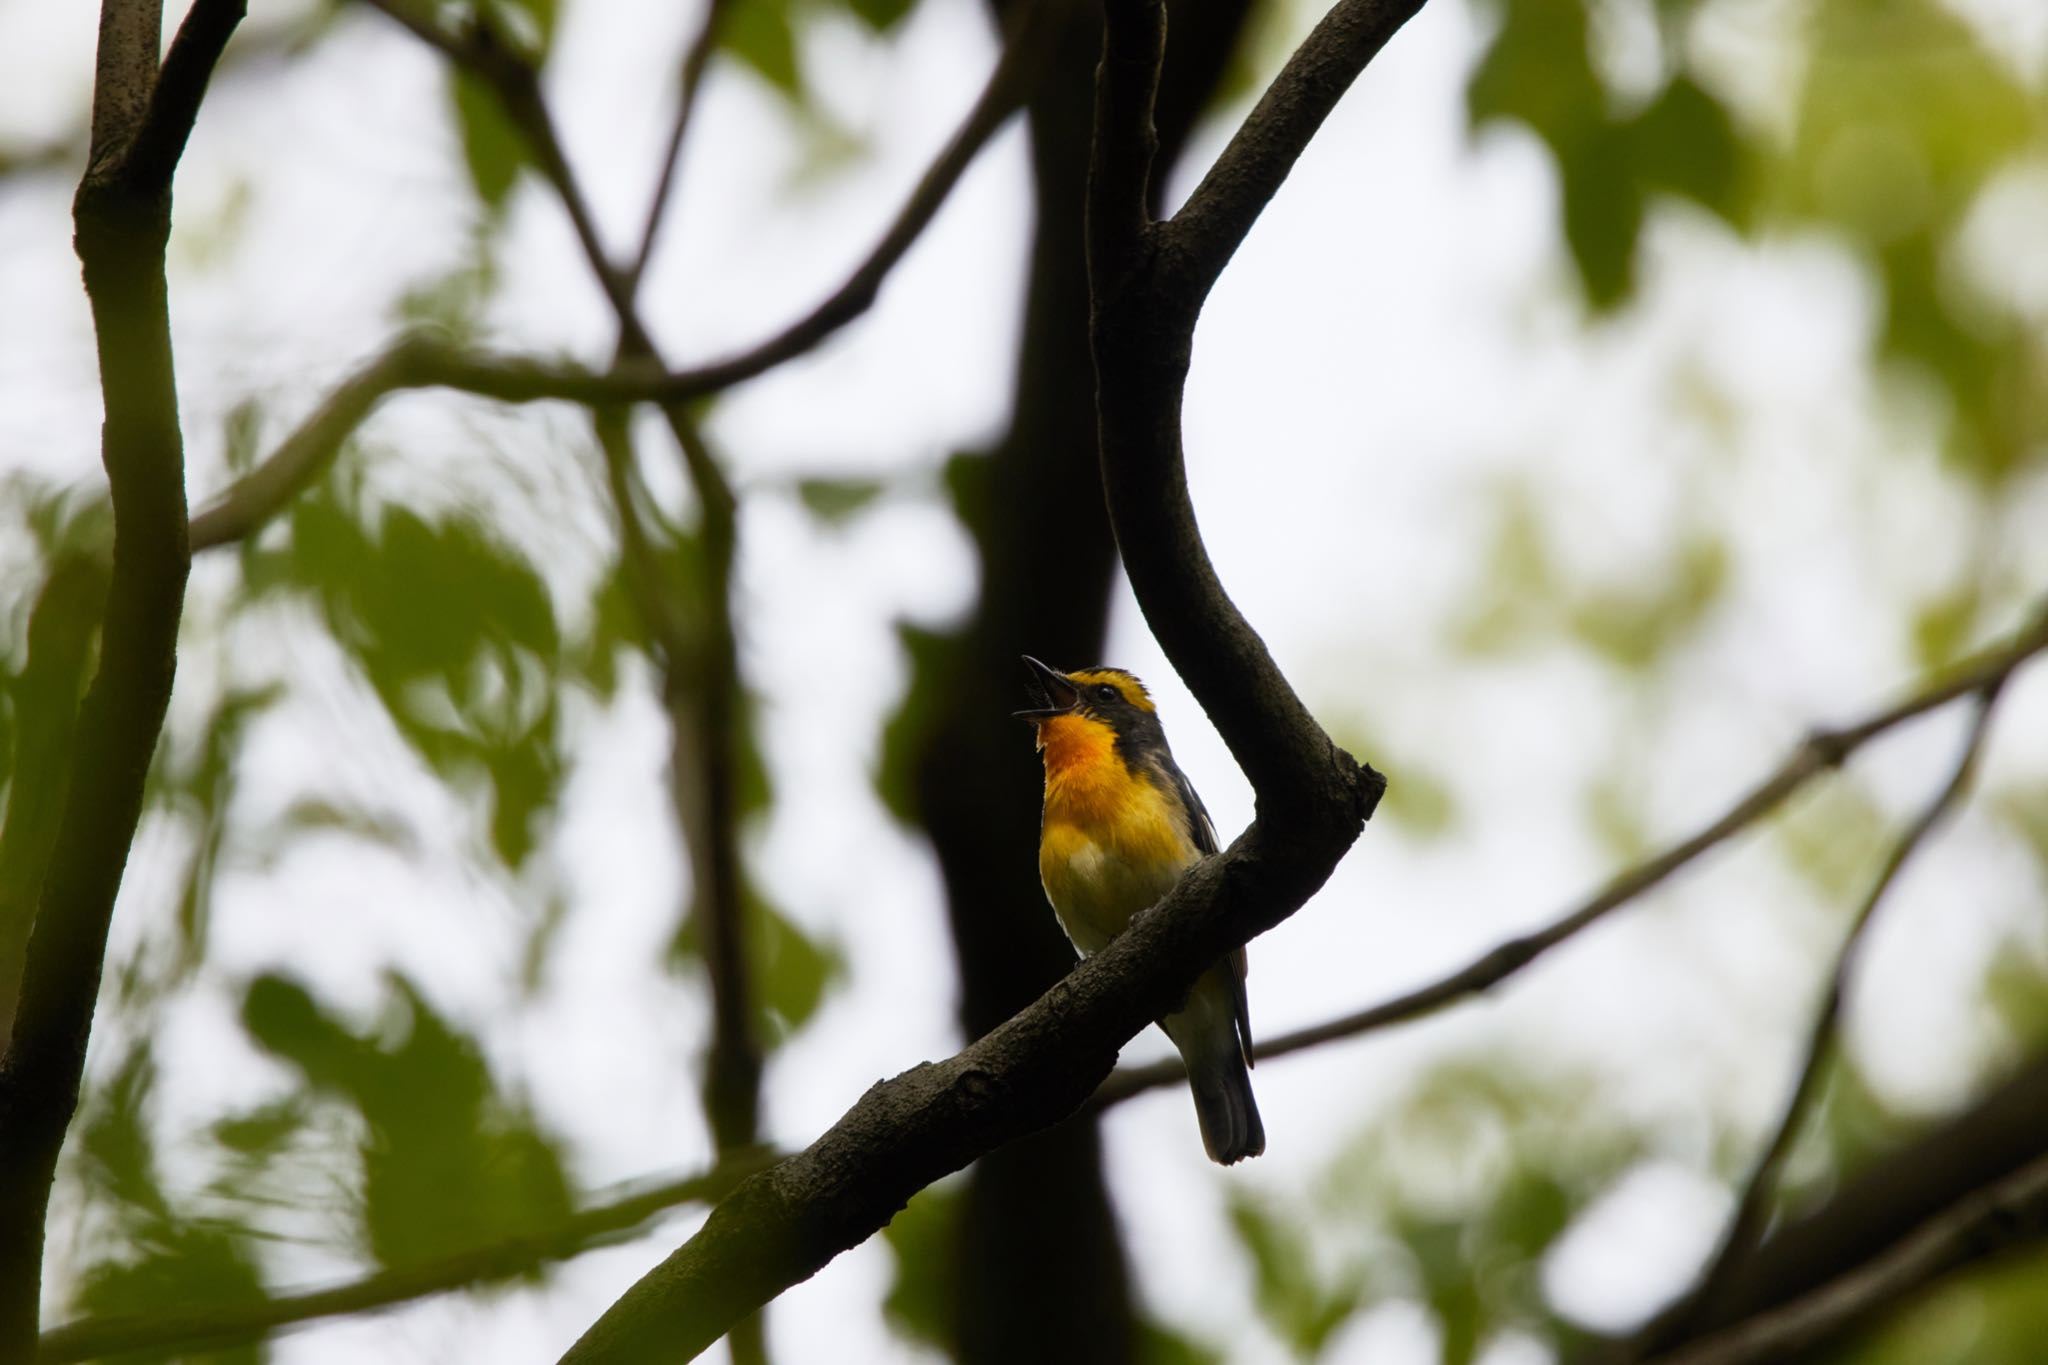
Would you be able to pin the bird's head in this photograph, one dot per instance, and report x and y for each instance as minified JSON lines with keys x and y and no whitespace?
{"x":1093,"y":697}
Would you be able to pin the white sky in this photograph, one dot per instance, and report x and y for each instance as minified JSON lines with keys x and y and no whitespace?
{"x":1397,"y":337}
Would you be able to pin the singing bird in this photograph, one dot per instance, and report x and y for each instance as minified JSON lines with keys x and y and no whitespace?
{"x":1121,"y":824}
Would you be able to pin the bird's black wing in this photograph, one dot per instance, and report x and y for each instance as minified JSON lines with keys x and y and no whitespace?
{"x":1200,"y":827}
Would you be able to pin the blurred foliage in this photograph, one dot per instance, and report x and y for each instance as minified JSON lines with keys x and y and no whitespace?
{"x":1524,"y":596}
{"x":1833,"y":835}
{"x":475,"y":655}
{"x":1450,"y":1200}
{"x":919,"y":1304}
{"x":837,"y":501}
{"x":1539,"y":71}
{"x":455,"y":632}
{"x":161,"y":1252}
{"x":791,"y":971}
{"x":450,"y":1161}
{"x":1419,"y":801}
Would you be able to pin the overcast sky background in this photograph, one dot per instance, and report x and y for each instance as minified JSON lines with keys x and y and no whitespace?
{"x":1398,"y":338}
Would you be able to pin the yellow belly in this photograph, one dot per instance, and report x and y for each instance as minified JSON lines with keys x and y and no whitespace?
{"x":1099,"y":875}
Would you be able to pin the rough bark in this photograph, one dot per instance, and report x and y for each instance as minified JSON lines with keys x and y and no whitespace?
{"x":1037,"y":1212}
{"x":122,"y":213}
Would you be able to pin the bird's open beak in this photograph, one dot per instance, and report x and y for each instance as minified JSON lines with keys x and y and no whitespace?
{"x":1050,"y":688}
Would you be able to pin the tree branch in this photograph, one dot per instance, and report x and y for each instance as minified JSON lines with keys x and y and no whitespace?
{"x":1745,"y":1227}
{"x":1203,"y":236}
{"x":783,"y":1225}
{"x":689,"y":81}
{"x":124,"y":72}
{"x":217,"y":1326}
{"x":1822,"y":751}
{"x":1142,"y":335}
{"x":417,"y":362}
{"x":122,"y":216}
{"x":180,"y":86}
{"x":2013,"y":1211}
{"x":1986,"y":671}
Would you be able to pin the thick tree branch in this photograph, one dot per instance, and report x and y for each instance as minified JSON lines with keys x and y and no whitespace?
{"x":124,"y":72}
{"x":1142,"y":335}
{"x":122,"y":215}
{"x":1745,"y":1226}
{"x":1821,"y":752}
{"x":2009,"y":1213}
{"x":783,"y":1225}
{"x":216,"y":1326}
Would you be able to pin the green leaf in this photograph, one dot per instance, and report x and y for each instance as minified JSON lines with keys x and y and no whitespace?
{"x":264,"y":1131}
{"x":1614,"y":812}
{"x":932,"y":655}
{"x":450,"y":1162}
{"x":762,"y":34}
{"x":1296,"y":1302}
{"x":115,"y":1142}
{"x":1636,"y":625}
{"x":40,"y":715}
{"x":455,"y":631}
{"x":492,"y":148}
{"x":792,"y":970}
{"x":1159,"y":1344}
{"x":1603,"y":212}
{"x":241,"y":433}
{"x":925,"y":1238}
{"x":1539,"y":72}
{"x":881,"y":15}
{"x":1832,"y":836}
{"x":1515,"y":600}
{"x":1945,"y":626}
{"x":837,"y":501}
{"x":2024,"y":811}
{"x":1684,"y":142}
{"x":531,"y":23}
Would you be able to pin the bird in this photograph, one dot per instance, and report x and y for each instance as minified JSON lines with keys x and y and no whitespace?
{"x":1121,"y":823}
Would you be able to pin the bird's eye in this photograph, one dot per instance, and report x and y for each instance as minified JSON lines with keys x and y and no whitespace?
{"x":1107,"y":692}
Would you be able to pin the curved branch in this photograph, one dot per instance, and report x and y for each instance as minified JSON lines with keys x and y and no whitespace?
{"x":1207,"y":231}
{"x":781,"y":1226}
{"x":2013,"y":1211}
{"x":1745,"y":1227}
{"x":1822,"y":751}
{"x":122,"y":214}
{"x":417,"y":362}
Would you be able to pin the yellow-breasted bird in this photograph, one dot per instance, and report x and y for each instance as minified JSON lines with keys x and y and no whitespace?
{"x":1121,"y":824}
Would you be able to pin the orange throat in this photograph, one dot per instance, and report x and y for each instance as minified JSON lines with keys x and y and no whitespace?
{"x":1085,"y":780}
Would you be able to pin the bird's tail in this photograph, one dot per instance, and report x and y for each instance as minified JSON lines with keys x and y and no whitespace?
{"x":1206,"y":1034}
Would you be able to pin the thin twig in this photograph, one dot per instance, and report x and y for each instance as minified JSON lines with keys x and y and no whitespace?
{"x":1822,"y":751}
{"x":689,"y":81}
{"x":2008,"y":1213}
{"x":417,"y":363}
{"x":1745,"y":1227}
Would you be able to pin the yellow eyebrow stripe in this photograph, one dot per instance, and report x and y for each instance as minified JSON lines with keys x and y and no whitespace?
{"x":1133,"y":690}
